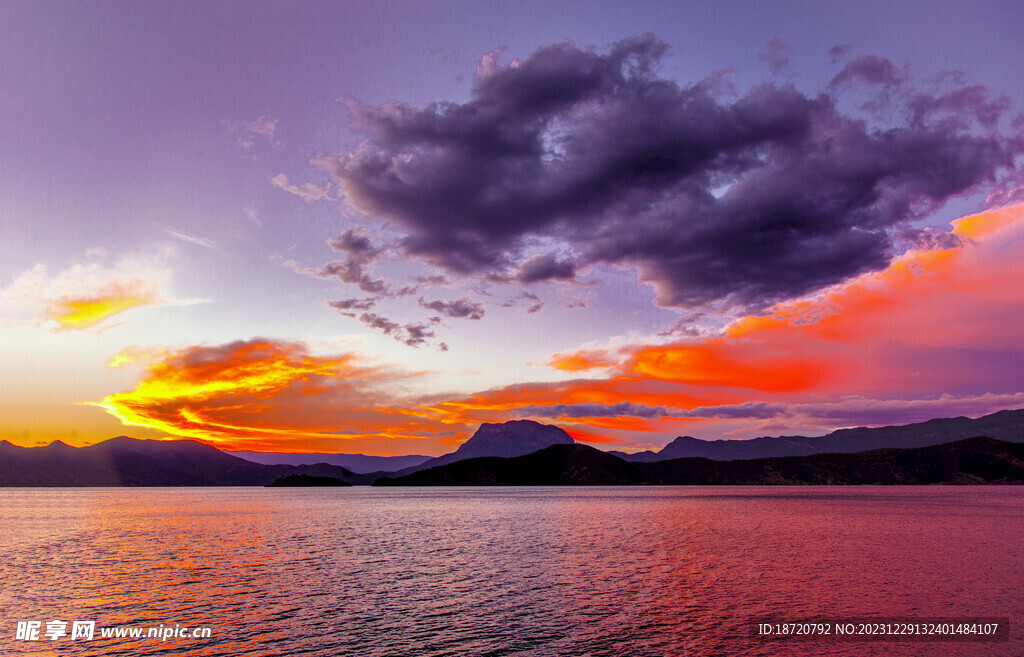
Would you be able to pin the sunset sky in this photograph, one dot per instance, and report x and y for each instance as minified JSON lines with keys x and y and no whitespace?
{"x":371,"y":226}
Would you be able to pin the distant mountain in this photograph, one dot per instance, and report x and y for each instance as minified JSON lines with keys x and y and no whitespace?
{"x":359,"y":463}
{"x":124,"y":461}
{"x":558,"y":465}
{"x":506,"y":439}
{"x":305,"y":481}
{"x":971,"y":461}
{"x":1004,"y":425}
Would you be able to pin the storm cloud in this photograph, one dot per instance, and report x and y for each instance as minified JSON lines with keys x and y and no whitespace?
{"x":731,"y":201}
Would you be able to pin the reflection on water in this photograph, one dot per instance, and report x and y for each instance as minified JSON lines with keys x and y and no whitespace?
{"x":505,"y":571}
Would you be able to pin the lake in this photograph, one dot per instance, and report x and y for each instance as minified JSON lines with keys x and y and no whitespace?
{"x":503,"y":571}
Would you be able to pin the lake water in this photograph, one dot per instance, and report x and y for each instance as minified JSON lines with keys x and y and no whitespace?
{"x":504,"y":571}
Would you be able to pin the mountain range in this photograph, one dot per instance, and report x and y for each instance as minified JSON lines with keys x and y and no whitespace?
{"x":125,"y":461}
{"x":970,"y":461}
{"x":1004,"y":425}
{"x":358,"y":463}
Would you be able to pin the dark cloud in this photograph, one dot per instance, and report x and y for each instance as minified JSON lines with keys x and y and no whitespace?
{"x":417,"y":334}
{"x":525,"y":297}
{"x":734,"y":202}
{"x":747,"y":410}
{"x":869,"y":69}
{"x":463,"y":308}
{"x":357,"y":245}
{"x":689,"y":325}
{"x":545,"y":267}
{"x":930,"y":237}
{"x":360,"y":253}
{"x":433,"y":279}
{"x":351,"y":271}
{"x":382,"y":324}
{"x":344,"y":305}
{"x":412,"y":334}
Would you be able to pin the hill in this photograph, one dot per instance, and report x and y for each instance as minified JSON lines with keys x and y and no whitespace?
{"x":1004,"y":425}
{"x":124,"y":461}
{"x":976,"y":460}
{"x":505,"y":439}
{"x":358,"y":463}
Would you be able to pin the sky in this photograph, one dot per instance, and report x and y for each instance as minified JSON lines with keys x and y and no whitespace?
{"x":371,"y":226}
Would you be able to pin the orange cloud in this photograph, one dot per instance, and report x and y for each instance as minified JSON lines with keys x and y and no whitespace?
{"x":266,"y":394}
{"x":83,"y":296}
{"x":940,"y":328}
{"x":908,"y":328}
{"x":83,"y":311}
{"x":582,"y":360}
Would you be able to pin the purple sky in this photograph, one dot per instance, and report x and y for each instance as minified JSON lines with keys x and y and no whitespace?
{"x":465,"y":195}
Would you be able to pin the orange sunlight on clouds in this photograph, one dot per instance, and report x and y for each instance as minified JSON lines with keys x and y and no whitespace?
{"x":79,"y":312}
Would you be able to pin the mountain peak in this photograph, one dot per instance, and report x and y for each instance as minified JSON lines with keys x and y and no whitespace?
{"x":512,"y":438}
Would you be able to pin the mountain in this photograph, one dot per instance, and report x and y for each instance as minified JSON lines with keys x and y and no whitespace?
{"x":305,"y":481}
{"x":358,"y":463}
{"x":505,"y":439}
{"x":1004,"y":425}
{"x":557,"y":465}
{"x":508,"y":439}
{"x":976,"y":460}
{"x":124,"y":461}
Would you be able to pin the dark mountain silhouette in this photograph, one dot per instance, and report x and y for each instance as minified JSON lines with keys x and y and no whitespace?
{"x":505,"y":439}
{"x":558,"y":465}
{"x":976,"y":460}
{"x":495,"y":453}
{"x":1004,"y":425}
{"x":299,"y":480}
{"x":358,"y":463}
{"x":124,"y":461}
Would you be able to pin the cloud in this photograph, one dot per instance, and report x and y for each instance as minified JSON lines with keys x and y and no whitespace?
{"x":82,"y":296}
{"x":78,"y":311}
{"x":199,"y":241}
{"x":463,"y":308}
{"x":248,"y":133}
{"x":253,"y":216}
{"x":777,"y":54}
{"x":732,"y":203}
{"x":308,"y":192}
{"x":845,"y":413}
{"x":534,"y":302}
{"x":272,"y":394}
{"x":346,"y":305}
{"x":413,"y":334}
{"x":869,"y":69}
{"x":360,"y":253}
{"x":938,"y":333}
{"x":350,"y":271}
{"x":357,"y":245}
{"x":545,"y":267}
{"x":583,"y":360}
{"x":265,"y":126}
{"x":620,"y":409}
